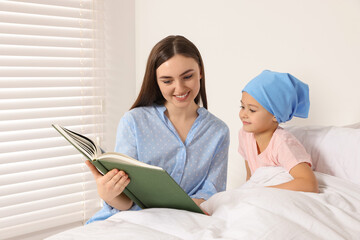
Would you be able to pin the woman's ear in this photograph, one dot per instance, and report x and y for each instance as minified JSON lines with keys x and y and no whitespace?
{"x":274,"y":119}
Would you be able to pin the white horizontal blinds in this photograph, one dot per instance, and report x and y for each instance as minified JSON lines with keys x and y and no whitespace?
{"x":50,"y":72}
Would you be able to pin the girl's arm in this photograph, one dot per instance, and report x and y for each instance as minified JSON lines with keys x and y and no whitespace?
{"x":248,"y":172}
{"x":304,"y":179}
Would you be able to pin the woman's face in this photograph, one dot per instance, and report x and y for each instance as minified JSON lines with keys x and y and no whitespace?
{"x":179,"y":81}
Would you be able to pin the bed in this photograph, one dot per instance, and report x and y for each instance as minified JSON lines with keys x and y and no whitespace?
{"x":253,"y":211}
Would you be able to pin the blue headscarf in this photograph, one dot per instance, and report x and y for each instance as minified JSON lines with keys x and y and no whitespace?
{"x":281,"y":94}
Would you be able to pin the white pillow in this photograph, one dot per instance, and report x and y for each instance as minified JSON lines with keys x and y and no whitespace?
{"x":334,"y":150}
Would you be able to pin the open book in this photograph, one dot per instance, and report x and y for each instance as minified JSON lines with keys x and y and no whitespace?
{"x":149,"y":187}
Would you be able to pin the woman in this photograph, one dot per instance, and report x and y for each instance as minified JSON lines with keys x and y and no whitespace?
{"x":166,"y":127}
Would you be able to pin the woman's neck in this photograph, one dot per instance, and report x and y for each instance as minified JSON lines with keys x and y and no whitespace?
{"x":182,"y":118}
{"x":181,"y":113}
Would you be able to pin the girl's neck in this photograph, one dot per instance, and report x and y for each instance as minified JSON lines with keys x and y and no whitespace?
{"x":263,"y":139}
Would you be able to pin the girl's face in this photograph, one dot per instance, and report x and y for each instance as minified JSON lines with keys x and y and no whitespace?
{"x":179,"y":81}
{"x":255,"y":118}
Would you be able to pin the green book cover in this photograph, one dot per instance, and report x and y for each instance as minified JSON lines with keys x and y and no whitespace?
{"x":149,"y":187}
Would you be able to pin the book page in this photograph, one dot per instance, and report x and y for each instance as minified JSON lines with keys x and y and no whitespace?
{"x":85,"y":145}
{"x":122,"y":158}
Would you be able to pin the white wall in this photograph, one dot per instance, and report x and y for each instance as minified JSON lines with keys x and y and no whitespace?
{"x":119,"y":43}
{"x":318,"y":41}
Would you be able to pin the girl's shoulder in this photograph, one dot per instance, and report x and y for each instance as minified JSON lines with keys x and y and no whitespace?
{"x":281,"y":133}
{"x":282,"y":136}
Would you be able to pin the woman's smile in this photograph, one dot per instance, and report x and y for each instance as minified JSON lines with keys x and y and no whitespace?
{"x":182,"y":97}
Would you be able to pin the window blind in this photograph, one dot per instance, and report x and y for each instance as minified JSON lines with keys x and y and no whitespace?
{"x":50,"y":72}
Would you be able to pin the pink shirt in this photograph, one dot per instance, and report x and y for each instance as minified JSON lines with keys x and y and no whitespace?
{"x":283,"y":150}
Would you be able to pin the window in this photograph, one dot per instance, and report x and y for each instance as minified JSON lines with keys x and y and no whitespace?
{"x":50,"y":72}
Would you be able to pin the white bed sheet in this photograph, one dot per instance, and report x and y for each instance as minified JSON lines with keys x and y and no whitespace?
{"x":249,"y":212}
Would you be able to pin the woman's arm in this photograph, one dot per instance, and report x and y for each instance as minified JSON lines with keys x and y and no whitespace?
{"x":198,"y":201}
{"x":304,"y":179}
{"x":110,"y":187}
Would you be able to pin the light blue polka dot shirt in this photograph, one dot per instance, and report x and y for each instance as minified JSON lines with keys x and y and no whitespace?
{"x":198,"y":165}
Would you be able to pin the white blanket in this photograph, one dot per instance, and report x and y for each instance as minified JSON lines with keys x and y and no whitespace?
{"x":249,"y":212}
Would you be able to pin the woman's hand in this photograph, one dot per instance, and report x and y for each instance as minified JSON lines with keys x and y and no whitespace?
{"x":199,"y":202}
{"x":110,"y":186}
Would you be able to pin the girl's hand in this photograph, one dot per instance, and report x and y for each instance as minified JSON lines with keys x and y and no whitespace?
{"x":110,"y":186}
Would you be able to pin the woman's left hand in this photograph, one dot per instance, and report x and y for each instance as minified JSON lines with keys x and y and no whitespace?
{"x":199,"y":202}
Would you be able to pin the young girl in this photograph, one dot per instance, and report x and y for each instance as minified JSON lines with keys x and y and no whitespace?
{"x":267,"y":100}
{"x":166,"y":127}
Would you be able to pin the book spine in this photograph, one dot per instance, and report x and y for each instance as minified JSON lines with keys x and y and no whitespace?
{"x":99,"y":167}
{"x":133,"y":198}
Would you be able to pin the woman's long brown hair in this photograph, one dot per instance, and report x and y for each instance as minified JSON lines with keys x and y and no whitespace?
{"x":164,"y":50}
